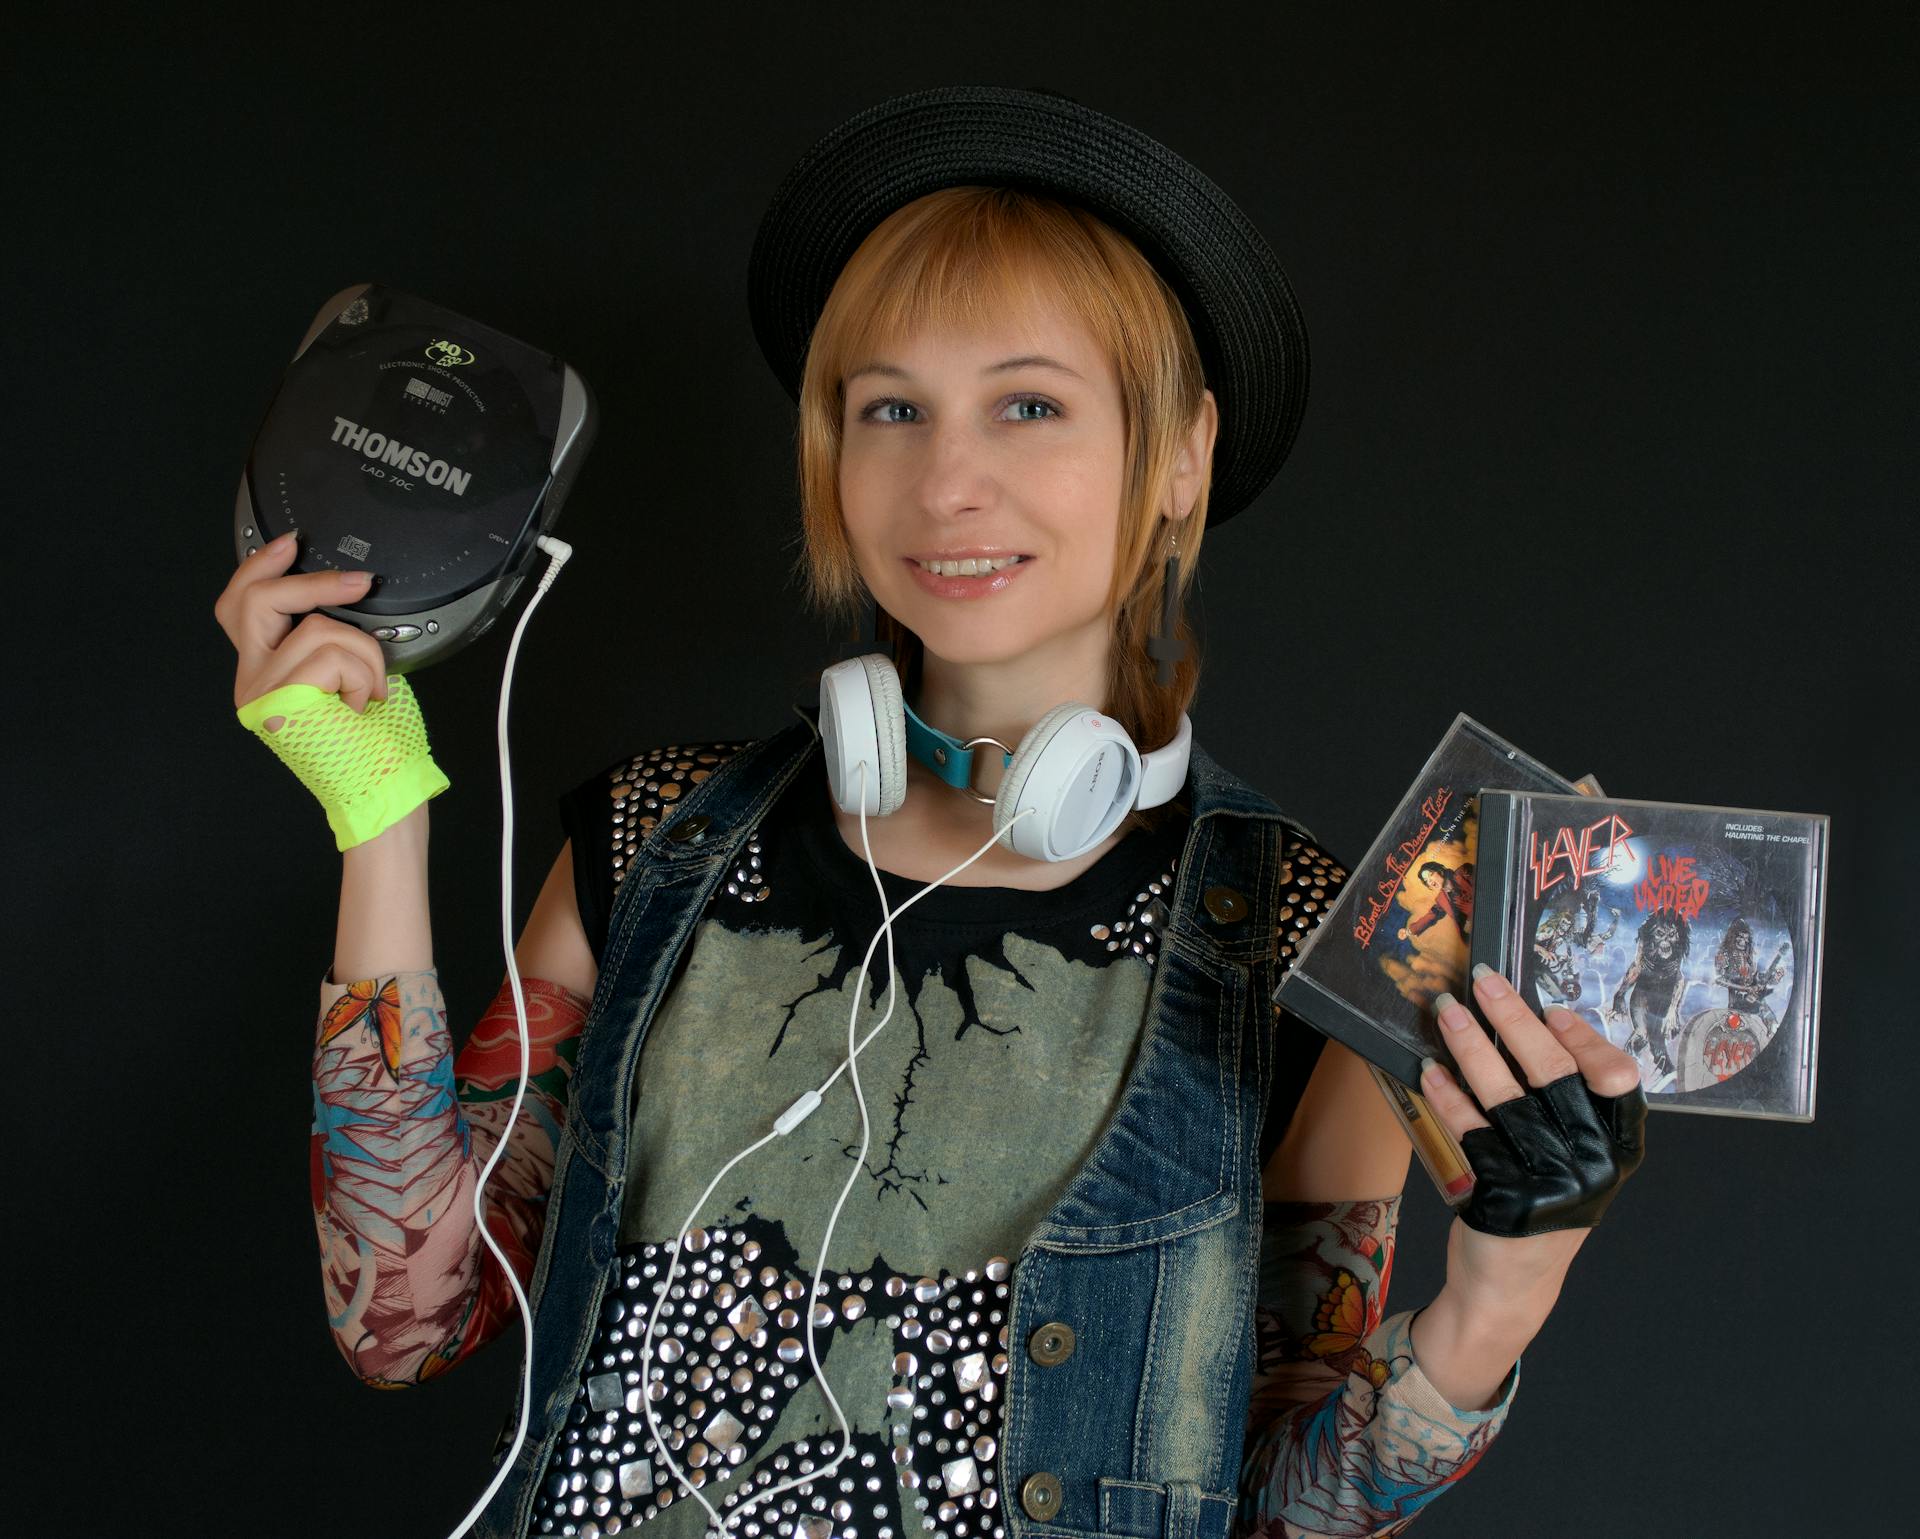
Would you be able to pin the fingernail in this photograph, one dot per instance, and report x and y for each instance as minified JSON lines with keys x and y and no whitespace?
{"x":1452,"y":1014}
{"x":1487,"y":980}
{"x":1430,"y":1073}
{"x":351,"y":579}
{"x":285,"y":540}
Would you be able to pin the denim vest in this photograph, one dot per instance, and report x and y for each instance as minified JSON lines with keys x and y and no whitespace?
{"x":1130,"y":1328}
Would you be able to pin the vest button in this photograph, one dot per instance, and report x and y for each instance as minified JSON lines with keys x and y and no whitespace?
{"x":1224,"y":904}
{"x":689,"y":829}
{"x":1040,"y":1495}
{"x":1050,"y":1346}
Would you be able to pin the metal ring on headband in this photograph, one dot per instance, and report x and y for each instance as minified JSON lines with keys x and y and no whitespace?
{"x":968,"y":790}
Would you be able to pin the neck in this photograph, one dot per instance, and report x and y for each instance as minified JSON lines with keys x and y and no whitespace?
{"x":1004,"y":698}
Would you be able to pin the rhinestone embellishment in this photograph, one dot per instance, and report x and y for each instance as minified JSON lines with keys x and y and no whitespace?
{"x":648,"y":785}
{"x":744,"y":881}
{"x":721,"y":1387}
{"x":1309,"y":882}
{"x":1138,"y":930}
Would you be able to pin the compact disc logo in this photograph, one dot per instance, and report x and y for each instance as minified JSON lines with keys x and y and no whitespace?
{"x":449,"y":354}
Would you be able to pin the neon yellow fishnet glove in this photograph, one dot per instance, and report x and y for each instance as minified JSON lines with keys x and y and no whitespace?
{"x":368,"y":770}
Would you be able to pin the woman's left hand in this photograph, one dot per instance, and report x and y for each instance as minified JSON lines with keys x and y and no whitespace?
{"x":1547,"y":1164}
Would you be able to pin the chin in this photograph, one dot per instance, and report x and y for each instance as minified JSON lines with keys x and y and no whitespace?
{"x":973,"y":643}
{"x":990,"y":639}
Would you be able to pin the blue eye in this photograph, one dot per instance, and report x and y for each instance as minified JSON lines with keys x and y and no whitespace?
{"x":1034,"y":400}
{"x":874,"y":411}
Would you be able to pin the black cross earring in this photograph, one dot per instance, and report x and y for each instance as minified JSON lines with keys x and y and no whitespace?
{"x":1166,"y":647}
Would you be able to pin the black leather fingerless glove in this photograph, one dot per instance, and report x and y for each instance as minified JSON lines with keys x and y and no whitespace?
{"x":1553,"y":1158}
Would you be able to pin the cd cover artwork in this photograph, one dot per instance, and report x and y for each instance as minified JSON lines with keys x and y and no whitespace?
{"x":1399,"y":932}
{"x":1688,"y":936}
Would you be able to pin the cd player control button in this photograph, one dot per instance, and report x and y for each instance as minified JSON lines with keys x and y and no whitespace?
{"x":397,"y":633}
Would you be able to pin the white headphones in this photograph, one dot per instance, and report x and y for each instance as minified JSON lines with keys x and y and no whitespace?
{"x":1076,"y":770}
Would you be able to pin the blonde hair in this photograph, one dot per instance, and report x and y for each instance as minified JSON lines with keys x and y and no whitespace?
{"x":958,"y":258}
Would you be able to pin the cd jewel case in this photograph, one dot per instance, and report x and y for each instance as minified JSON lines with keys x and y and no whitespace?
{"x":1688,"y":936}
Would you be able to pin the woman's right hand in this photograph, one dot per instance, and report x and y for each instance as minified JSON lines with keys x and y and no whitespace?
{"x":256,"y":610}
{"x":318,"y":694}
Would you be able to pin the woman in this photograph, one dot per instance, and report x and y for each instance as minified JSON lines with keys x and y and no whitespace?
{"x":1118,"y":1244}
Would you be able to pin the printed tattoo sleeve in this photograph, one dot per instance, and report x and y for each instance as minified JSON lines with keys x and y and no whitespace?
{"x":1345,"y":1435}
{"x":401,"y":1131}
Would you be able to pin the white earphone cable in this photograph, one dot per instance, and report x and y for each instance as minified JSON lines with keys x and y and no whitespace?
{"x":560,"y":551}
{"x":788,"y":1120}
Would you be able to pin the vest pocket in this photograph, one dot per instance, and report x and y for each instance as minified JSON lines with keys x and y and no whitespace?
{"x":1166,"y":1164}
{"x":1179,"y":1509}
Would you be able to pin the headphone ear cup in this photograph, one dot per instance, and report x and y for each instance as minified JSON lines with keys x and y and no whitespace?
{"x":890,"y":730}
{"x":861,"y":720}
{"x":1064,"y":822}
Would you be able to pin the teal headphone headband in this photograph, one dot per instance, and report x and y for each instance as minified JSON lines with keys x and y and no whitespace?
{"x":942,"y":753}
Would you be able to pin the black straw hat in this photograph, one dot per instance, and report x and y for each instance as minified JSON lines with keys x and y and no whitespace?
{"x":1253,"y":345}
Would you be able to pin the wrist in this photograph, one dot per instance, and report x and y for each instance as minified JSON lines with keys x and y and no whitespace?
{"x":373,"y":810}
{"x":1468,"y":1352}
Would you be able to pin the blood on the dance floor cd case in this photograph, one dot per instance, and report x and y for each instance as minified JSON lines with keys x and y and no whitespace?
{"x":1689,"y":936}
{"x":1398,"y":934}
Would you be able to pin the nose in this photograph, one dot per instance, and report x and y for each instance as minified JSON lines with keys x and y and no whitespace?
{"x":957,"y":475}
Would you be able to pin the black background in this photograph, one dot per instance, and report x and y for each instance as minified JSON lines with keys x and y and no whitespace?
{"x":1610,"y":443}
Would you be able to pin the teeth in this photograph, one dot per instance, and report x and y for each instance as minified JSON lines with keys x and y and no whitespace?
{"x":971,"y":567}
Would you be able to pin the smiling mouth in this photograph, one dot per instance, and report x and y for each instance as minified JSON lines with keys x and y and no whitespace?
{"x":971,"y":566}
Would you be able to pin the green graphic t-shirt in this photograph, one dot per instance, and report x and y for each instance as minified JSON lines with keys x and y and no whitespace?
{"x":1012,"y":1032}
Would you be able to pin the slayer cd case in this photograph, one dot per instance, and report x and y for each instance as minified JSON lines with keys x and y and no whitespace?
{"x":1689,"y":936}
{"x":1400,"y":931}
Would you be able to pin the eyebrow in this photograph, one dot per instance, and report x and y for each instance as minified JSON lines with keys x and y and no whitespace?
{"x":1025,"y":361}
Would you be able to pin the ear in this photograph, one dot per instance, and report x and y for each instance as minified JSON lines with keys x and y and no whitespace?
{"x":1196,"y":454}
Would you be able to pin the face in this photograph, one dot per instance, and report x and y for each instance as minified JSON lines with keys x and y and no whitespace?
{"x":1007,"y":443}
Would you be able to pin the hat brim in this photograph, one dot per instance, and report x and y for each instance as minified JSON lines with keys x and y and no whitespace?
{"x":1245,"y":320}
